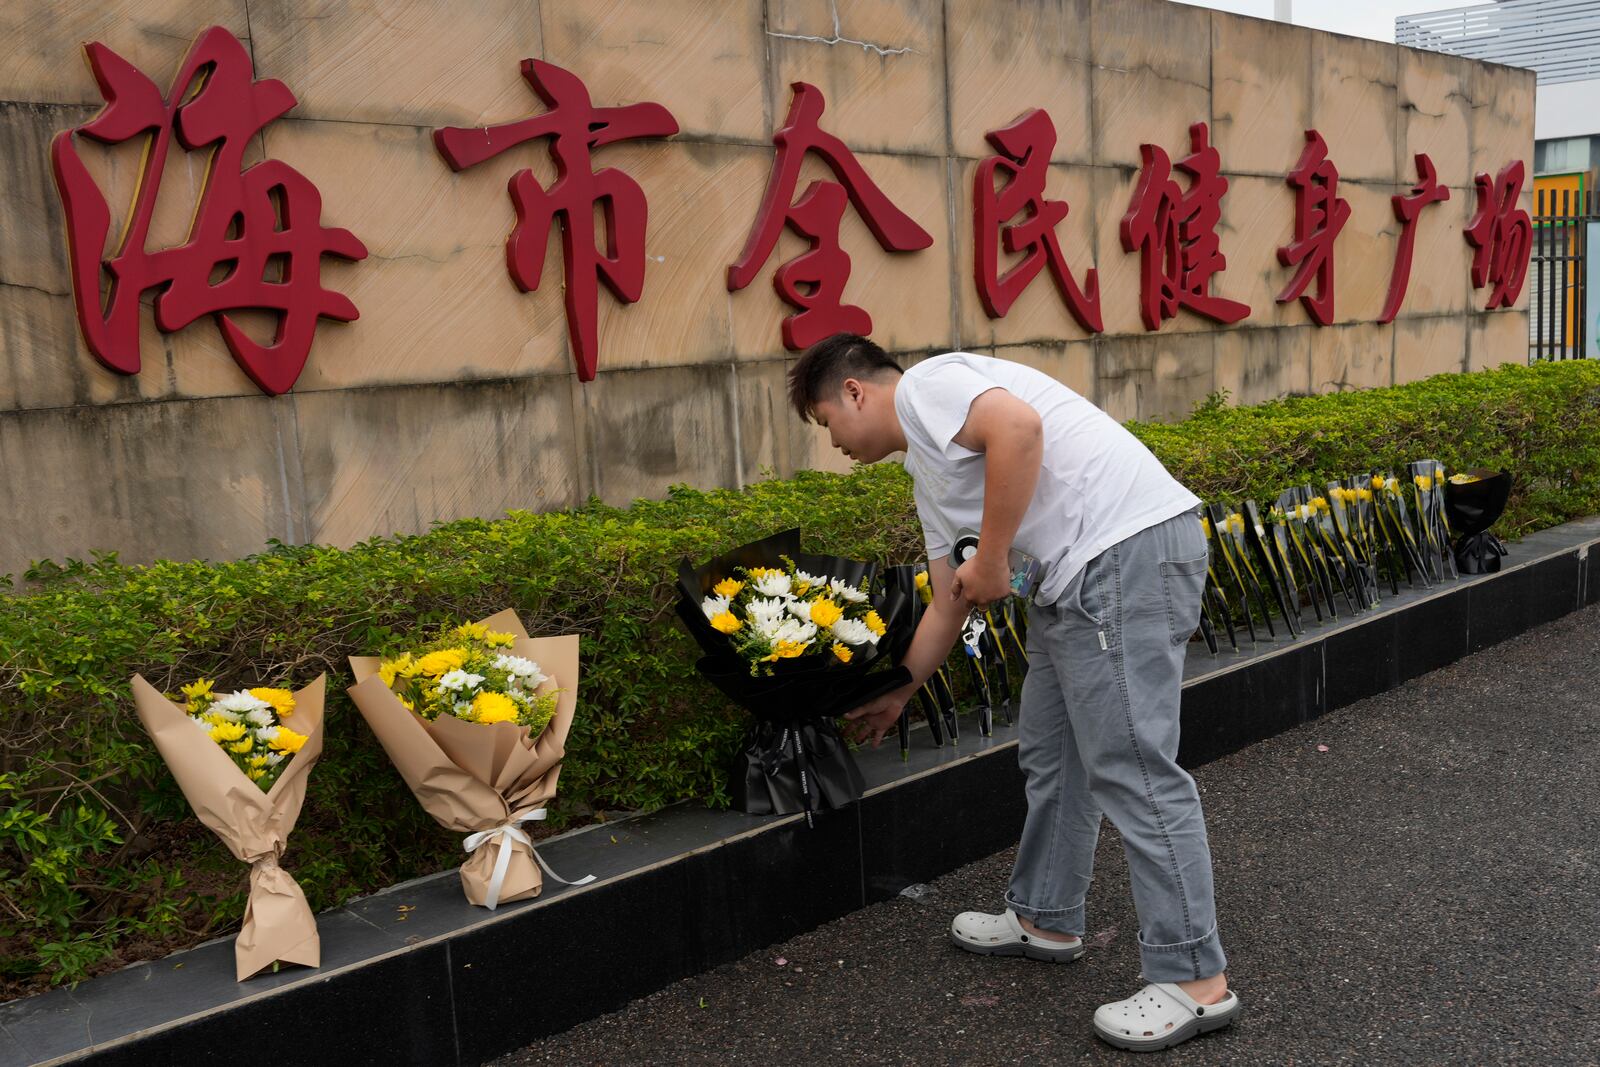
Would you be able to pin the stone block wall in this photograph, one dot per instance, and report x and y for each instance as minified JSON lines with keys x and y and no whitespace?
{"x":454,"y":394}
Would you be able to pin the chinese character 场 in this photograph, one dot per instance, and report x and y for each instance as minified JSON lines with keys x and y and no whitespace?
{"x":1501,"y":235}
{"x":259,"y":226}
{"x":1319,"y":215}
{"x":814,"y":280}
{"x":575,"y":128}
{"x":1025,"y":147}
{"x":1407,"y":209}
{"x":1175,"y":231}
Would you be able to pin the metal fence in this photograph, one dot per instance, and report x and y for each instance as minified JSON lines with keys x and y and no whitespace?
{"x":1560,"y":322}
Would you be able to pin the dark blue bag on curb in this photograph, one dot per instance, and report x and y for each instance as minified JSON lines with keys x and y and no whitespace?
{"x":793,"y":758}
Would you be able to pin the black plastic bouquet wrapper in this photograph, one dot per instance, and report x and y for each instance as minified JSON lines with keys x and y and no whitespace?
{"x":793,"y":758}
{"x":1471,"y":508}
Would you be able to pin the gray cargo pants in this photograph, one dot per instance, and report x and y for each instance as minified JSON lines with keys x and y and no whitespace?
{"x":1099,"y":734}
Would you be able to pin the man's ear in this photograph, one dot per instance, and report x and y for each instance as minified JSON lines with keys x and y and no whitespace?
{"x":852,"y":391}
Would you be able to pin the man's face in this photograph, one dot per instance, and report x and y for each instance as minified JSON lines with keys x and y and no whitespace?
{"x":854,"y":419}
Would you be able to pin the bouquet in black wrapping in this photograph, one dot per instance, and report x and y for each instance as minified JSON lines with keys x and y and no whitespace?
{"x":793,"y":638}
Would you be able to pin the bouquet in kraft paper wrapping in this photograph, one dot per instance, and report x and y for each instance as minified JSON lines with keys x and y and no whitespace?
{"x":476,"y":722}
{"x":242,"y":760}
{"x":793,"y":638}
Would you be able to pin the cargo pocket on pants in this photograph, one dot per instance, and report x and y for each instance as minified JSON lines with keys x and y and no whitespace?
{"x":1183,"y":582}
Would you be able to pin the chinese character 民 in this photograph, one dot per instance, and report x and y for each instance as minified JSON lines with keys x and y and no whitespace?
{"x":575,"y":127}
{"x":1407,"y":209}
{"x":1175,"y":232}
{"x":1319,"y":215}
{"x":259,"y":226}
{"x":1501,"y":235}
{"x":814,"y":280}
{"x":1026,"y":146}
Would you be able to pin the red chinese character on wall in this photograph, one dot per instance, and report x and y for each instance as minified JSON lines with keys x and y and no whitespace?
{"x":1025,"y":148}
{"x":260,"y":226}
{"x":1175,"y":231}
{"x":1319,"y":215}
{"x":1407,"y":209}
{"x":575,"y":128}
{"x":814,"y":280}
{"x":1501,"y":235}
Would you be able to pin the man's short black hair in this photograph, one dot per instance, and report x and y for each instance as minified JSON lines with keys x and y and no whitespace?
{"x":818,"y":374}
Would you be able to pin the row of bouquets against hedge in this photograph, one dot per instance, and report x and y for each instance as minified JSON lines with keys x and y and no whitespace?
{"x":476,"y":719}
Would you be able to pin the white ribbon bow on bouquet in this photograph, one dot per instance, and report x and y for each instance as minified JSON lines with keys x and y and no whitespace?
{"x":506,"y":834}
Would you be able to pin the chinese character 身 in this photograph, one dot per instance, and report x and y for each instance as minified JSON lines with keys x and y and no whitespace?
{"x":575,"y":128}
{"x":260,"y":226}
{"x":1319,"y":215}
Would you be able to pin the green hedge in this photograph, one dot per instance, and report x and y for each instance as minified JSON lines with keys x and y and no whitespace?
{"x":100,"y":862}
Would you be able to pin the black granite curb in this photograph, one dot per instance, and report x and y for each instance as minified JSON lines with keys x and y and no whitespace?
{"x":415,"y":975}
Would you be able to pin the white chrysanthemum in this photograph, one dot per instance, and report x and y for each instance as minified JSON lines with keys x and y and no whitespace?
{"x":714,"y":606}
{"x":267,"y":734}
{"x":462,"y":709}
{"x":847,"y":592}
{"x":241,"y":702}
{"x":275,"y":758}
{"x":800,"y":609}
{"x":766,"y":613}
{"x":205,"y":727}
{"x":853,"y":632}
{"x":223,"y":713}
{"x":815,"y":581}
{"x":525,"y":671}
{"x":773,"y":583}
{"x":259,"y":717}
{"x":459,"y":679}
{"x":794,"y":630}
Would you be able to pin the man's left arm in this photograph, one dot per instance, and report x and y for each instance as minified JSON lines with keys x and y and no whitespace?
{"x":1010,"y":435}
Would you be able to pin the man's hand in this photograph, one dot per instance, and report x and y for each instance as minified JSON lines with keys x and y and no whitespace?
{"x":980,"y":581}
{"x":876,"y":718}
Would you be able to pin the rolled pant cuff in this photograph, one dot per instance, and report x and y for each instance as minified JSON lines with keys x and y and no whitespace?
{"x":1056,"y":920}
{"x":1183,"y":961}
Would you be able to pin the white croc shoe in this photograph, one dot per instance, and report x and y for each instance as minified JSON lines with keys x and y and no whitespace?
{"x":1003,"y":935}
{"x":1159,"y":1016}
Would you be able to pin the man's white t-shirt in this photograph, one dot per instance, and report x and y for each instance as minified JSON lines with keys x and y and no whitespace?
{"x":1098,"y":484}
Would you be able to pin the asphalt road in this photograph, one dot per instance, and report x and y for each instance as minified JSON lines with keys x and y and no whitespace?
{"x":1426,"y":890}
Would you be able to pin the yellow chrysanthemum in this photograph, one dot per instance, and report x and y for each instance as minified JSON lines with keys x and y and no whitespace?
{"x":226,"y":732}
{"x":1236,"y":523}
{"x":1377,"y":481}
{"x":875,"y":623}
{"x":1364,"y":494}
{"x":843,"y":652}
{"x":825,"y":612}
{"x":259,"y":761}
{"x":256,"y":773}
{"x":409,"y":706}
{"x":495,"y":639}
{"x":493,"y":707}
{"x":288,"y":741}
{"x":725,"y":622}
{"x":728,"y":587}
{"x":758,"y":573}
{"x":787,"y":650}
{"x":282,"y":700}
{"x":389,"y":669}
{"x":242,"y":746}
{"x":198,"y":692}
{"x":472,"y":631}
{"x":1424,"y":482}
{"x":1205,"y":526}
{"x":438,"y":663}
{"x":922,"y":579}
